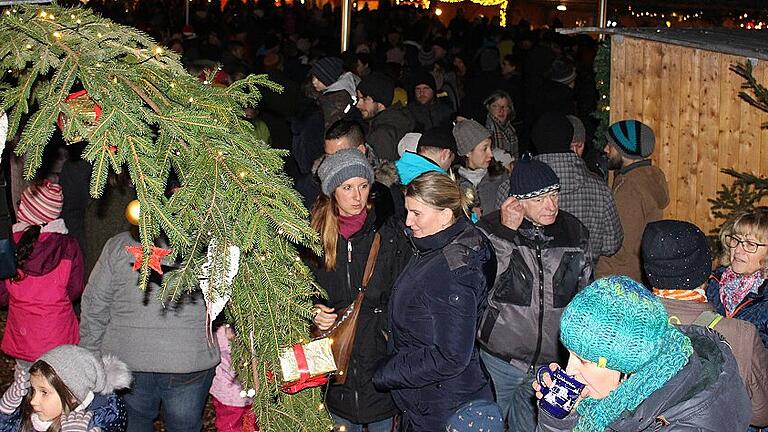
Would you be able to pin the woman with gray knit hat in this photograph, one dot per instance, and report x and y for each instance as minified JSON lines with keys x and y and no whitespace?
{"x":67,"y":389}
{"x":348,"y":224}
{"x":479,"y":175}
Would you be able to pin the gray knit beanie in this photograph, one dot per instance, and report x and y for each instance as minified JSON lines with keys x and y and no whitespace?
{"x":469,"y":134}
{"x":82,"y":372}
{"x":342,"y":166}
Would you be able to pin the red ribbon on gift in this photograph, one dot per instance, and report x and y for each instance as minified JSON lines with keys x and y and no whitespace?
{"x":304,"y":381}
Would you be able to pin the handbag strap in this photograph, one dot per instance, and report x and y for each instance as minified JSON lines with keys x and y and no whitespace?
{"x":370,"y":265}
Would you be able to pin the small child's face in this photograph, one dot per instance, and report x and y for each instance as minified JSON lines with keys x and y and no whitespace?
{"x":45,"y":400}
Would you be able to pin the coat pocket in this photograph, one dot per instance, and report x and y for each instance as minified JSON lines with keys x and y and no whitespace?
{"x":565,"y":281}
{"x":515,"y":285}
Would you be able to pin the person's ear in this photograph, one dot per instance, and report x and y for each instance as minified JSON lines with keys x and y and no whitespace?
{"x":362,"y":149}
{"x":446,"y":217}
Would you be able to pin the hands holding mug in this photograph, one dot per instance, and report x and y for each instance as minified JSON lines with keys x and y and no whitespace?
{"x":558,"y":393}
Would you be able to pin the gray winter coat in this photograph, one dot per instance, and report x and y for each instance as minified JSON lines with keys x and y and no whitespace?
{"x":707,"y":395}
{"x":539,"y":271}
{"x":147,"y":334}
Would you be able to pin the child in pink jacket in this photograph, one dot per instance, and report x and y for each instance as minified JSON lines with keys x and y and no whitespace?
{"x":233,"y":410}
{"x":49,"y":276}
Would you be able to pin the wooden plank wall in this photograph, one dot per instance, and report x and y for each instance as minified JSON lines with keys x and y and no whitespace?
{"x":690,"y":99}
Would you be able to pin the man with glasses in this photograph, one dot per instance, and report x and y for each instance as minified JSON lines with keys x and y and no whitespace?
{"x":639,"y":190}
{"x":543,"y":261}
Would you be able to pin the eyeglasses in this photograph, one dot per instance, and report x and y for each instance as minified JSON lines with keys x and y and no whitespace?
{"x":748,"y":245}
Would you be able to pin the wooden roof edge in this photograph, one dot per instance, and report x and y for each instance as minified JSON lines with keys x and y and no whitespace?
{"x":663,"y":35}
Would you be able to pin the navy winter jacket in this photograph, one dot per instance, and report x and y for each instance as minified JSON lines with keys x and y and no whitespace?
{"x":754,"y":307}
{"x":434,"y":365}
{"x":108,"y":414}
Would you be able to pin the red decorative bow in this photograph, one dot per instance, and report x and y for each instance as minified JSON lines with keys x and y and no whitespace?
{"x":305,"y":381}
{"x":154,"y":258}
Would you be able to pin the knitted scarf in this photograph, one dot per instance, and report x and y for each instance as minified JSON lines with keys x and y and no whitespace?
{"x":504,"y":136}
{"x":734,"y":287}
{"x":673,"y":355}
{"x":349,"y":225}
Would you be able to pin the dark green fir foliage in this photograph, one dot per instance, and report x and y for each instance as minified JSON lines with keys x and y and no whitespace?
{"x":603,"y":82}
{"x":155,"y":118}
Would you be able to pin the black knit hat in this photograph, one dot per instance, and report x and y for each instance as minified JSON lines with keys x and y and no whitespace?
{"x":675,"y":255}
{"x":423,"y":77}
{"x":379,"y":87}
{"x":531,"y":178}
{"x":440,"y":137}
{"x":552,"y":133}
{"x":327,"y":70}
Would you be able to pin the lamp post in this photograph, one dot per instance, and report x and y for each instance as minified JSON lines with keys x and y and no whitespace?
{"x":602,"y":13}
{"x":346,"y":22}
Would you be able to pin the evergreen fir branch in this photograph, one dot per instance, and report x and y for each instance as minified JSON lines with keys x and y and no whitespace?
{"x":759,"y":96}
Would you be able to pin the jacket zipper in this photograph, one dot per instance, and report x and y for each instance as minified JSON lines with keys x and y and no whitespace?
{"x":541,"y":311}
{"x":349,"y":261}
{"x":350,"y":288}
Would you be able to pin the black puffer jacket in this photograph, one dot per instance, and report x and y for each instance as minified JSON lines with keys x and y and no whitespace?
{"x":357,"y":400}
{"x":706,"y":395}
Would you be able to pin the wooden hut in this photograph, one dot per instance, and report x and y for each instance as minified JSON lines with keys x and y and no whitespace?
{"x":679,"y":82}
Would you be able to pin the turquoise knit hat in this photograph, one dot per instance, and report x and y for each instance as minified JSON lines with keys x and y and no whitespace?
{"x":620,"y":325}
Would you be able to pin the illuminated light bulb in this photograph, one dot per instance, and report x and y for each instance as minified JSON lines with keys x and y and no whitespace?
{"x":72,"y":16}
{"x":669,"y":24}
{"x":57,"y":35}
{"x":29,"y":46}
{"x":321,"y":407}
{"x":342,"y":428}
{"x":191,"y":100}
{"x":43,"y":14}
{"x":242,"y":174}
{"x":562,"y":7}
{"x":78,"y":22}
{"x":438,"y":11}
{"x":173,"y":85}
{"x":8,"y":13}
{"x":98,"y":34}
{"x":158,"y":50}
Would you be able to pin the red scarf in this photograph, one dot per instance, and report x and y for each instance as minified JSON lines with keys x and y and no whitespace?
{"x":349,"y":225}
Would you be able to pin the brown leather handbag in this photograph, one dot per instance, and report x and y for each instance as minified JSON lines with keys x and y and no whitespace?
{"x":342,"y":332}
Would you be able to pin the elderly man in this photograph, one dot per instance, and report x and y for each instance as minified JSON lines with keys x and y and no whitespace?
{"x":543,"y":260}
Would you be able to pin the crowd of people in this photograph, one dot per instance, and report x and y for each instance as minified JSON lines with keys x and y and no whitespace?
{"x":459,"y":158}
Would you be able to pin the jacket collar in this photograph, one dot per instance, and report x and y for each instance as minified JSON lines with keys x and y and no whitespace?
{"x":635,"y":165}
{"x":441,"y":238}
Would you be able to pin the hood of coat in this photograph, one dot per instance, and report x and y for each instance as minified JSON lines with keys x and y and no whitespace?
{"x":347,"y":82}
{"x":49,"y":250}
{"x":699,"y":393}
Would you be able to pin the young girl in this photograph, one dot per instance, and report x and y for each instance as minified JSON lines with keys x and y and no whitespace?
{"x":68,"y":390}
{"x":49,"y":276}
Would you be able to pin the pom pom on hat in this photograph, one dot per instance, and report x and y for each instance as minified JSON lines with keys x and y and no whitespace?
{"x":40,"y":204}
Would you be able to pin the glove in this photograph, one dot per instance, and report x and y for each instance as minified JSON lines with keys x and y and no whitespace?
{"x":76,"y":421}
{"x":12,"y":397}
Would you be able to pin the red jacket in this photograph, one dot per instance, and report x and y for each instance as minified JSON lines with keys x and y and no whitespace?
{"x":40,"y":313}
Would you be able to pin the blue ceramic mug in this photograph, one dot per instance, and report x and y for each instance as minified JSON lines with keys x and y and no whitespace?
{"x":560,"y":397}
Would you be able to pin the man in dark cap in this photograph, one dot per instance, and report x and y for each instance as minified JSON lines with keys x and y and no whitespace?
{"x":542,"y":254}
{"x":426,"y":109}
{"x":582,"y":193}
{"x":387,"y":123}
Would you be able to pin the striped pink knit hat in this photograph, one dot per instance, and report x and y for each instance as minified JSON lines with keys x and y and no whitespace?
{"x":40,"y":204}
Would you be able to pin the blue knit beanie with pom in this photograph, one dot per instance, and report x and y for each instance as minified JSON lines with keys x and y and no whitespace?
{"x":620,"y":325}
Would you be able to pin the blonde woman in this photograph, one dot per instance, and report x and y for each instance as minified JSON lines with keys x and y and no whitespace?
{"x":434,"y":365}
{"x":737,"y":289}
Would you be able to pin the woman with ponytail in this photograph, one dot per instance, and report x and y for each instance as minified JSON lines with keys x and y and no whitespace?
{"x":49,"y":276}
{"x":642,"y":373}
{"x":434,"y":365}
